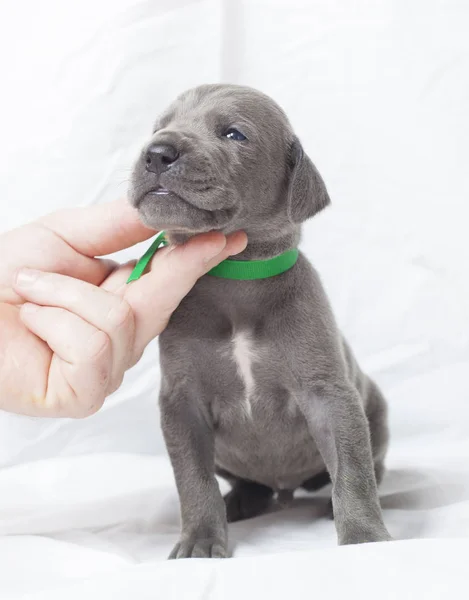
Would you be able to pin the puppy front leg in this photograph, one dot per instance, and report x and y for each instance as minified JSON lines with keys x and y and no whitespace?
{"x":190,"y":443}
{"x":340,"y":429}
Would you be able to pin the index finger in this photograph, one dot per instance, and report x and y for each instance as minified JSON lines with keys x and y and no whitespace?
{"x":174,"y":271}
{"x":99,"y":229}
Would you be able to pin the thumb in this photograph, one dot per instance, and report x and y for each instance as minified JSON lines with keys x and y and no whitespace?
{"x":174,"y":271}
{"x":99,"y":229}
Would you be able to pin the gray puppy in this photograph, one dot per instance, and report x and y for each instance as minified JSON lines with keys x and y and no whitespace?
{"x":258,"y":385}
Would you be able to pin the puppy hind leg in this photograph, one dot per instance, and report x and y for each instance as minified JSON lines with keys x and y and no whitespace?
{"x":315,"y":483}
{"x":246,"y":500}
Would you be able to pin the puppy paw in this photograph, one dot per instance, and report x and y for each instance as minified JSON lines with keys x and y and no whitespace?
{"x":199,"y":548}
{"x":247,"y":500}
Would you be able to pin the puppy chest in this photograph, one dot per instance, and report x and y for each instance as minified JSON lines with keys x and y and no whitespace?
{"x":244,"y":355}
{"x":250,"y":383}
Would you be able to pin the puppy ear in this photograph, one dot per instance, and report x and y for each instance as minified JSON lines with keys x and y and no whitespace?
{"x":307,"y":193}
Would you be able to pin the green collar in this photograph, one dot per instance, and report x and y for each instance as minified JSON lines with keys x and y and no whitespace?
{"x":227,"y":269}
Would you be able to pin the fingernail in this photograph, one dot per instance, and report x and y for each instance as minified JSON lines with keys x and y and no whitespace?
{"x":26,"y":277}
{"x":29,"y":308}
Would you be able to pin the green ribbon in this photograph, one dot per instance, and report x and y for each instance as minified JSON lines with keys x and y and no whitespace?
{"x":142,"y":264}
{"x":227,"y":269}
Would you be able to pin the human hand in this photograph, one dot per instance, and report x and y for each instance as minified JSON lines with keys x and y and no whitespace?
{"x":70,"y":325}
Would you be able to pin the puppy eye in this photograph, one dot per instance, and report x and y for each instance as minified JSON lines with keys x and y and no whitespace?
{"x":234,"y":134}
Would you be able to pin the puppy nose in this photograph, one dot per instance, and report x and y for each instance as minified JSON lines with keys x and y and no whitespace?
{"x":160,"y":157}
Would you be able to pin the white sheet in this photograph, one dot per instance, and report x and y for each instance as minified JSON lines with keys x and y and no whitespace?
{"x":378,"y":92}
{"x":80,"y":531}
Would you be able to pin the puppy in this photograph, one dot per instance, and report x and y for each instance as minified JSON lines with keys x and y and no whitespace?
{"x":258,"y":385}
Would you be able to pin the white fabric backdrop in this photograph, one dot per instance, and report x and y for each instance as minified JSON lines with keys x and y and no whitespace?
{"x":378,"y":92}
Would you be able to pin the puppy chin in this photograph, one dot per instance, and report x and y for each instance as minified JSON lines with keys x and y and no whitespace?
{"x":178,"y":217}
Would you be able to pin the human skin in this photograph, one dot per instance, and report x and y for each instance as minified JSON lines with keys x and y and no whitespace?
{"x":70,"y":326}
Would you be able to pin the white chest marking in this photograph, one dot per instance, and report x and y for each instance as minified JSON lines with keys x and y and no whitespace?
{"x":244,"y":355}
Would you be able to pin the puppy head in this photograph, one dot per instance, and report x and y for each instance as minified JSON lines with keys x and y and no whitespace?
{"x":224,"y":157}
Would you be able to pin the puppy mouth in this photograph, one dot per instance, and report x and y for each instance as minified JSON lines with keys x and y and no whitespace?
{"x":160,"y":190}
{"x":163,"y":208}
